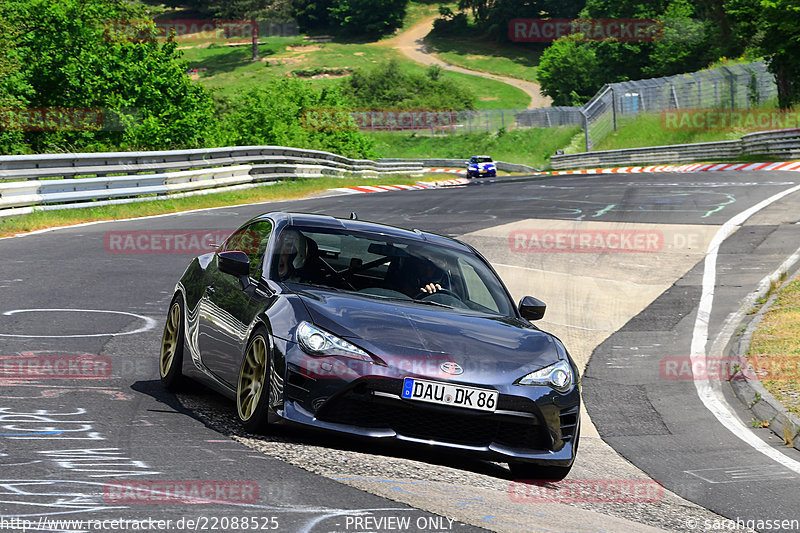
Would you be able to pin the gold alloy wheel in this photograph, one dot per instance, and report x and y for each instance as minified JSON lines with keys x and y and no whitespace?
{"x":169,"y":342}
{"x":251,"y":378}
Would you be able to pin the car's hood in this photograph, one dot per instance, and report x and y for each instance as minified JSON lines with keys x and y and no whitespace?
{"x":482,"y":165}
{"x":391,"y":329}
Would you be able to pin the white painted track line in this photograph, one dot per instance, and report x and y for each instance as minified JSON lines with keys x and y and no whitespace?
{"x":711,"y":397}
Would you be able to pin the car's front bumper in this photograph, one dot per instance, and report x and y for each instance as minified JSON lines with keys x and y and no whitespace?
{"x":530,"y":424}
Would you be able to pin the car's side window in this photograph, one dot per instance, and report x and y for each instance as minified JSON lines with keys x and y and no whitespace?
{"x":251,"y":240}
{"x":476,"y":288}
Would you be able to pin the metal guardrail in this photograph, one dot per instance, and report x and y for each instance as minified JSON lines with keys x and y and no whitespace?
{"x":106,"y":163}
{"x":462,"y":163}
{"x":676,"y":153}
{"x":778,"y":144}
{"x":121,"y":177}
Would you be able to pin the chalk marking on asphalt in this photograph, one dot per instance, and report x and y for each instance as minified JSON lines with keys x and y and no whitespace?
{"x":605,"y":210}
{"x":149,"y":323}
{"x":711,"y":397}
{"x":720,"y":207}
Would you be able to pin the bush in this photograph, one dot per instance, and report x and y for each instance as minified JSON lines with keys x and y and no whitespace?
{"x":450,"y":23}
{"x":285,"y":113}
{"x":387,"y":86}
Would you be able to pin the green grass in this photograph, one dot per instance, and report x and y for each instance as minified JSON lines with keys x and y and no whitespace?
{"x":229,"y":69}
{"x":419,"y":11}
{"x":474,"y":52}
{"x":526,"y":146}
{"x":282,"y":191}
{"x":774,"y":350}
{"x":647,"y":130}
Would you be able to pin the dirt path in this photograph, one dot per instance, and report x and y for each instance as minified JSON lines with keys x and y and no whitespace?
{"x":411,"y":43}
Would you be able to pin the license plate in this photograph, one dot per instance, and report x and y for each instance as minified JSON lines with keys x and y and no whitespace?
{"x":448,"y":394}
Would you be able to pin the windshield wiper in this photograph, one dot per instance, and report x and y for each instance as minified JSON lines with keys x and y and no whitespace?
{"x":411,"y":300}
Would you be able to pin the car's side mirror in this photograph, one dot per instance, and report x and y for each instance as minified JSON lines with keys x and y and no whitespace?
{"x":532,"y":308}
{"x":234,"y":263}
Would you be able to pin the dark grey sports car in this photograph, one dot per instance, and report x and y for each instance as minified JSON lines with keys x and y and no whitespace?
{"x":376,"y":331}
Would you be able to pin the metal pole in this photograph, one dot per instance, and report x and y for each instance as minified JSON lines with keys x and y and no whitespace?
{"x":586,"y":130}
{"x":732,"y":83}
{"x":614,"y":108}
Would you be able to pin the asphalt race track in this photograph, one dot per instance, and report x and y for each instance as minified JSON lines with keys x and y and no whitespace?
{"x":78,"y":295}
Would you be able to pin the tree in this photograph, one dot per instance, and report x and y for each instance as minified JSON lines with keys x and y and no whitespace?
{"x":11,"y":85}
{"x":250,"y":10}
{"x":774,"y":26}
{"x":684,"y":44}
{"x":367,"y":18}
{"x":569,"y":71}
{"x":103,"y":55}
{"x":493,"y":16}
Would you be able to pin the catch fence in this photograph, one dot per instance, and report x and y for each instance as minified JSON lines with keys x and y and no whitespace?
{"x":743,"y":86}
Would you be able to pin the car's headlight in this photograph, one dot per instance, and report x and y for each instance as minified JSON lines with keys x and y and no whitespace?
{"x":558,"y":376}
{"x":317,"y":341}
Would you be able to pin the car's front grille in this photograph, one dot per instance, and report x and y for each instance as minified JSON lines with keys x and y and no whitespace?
{"x":433,"y":423}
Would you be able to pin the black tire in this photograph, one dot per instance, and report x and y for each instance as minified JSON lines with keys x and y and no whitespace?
{"x":170,"y":361}
{"x":529,"y":471}
{"x":253,"y":385}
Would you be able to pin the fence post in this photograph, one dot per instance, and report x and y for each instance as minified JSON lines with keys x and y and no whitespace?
{"x":586,"y":130}
{"x":502,"y":119}
{"x":613,"y":107}
{"x":469,"y":121}
{"x":486,"y":116}
{"x":732,"y":83}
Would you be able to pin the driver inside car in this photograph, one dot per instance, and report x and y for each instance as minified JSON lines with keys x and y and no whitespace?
{"x":422,"y":275}
{"x":295,"y":259}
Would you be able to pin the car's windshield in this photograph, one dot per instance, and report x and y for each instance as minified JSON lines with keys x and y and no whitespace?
{"x":380,"y":266}
{"x":481,"y":159}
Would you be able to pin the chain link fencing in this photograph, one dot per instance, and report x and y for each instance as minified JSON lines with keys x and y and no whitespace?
{"x":736,"y":87}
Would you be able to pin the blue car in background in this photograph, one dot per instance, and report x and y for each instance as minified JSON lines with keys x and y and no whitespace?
{"x":481,"y":165}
